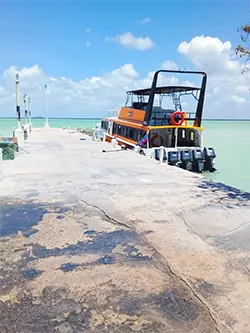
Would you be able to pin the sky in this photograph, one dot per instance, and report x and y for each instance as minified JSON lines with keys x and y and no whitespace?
{"x":90,"y":53}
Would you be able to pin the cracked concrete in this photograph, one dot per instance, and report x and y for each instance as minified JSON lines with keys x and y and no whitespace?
{"x":94,"y":242}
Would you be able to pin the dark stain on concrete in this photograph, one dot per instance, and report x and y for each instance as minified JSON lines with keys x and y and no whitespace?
{"x":103,"y":242}
{"x":206,"y":287}
{"x":29,"y":232}
{"x":229,"y":191}
{"x":176,"y":306}
{"x":18,"y":215}
{"x":44,"y":316}
{"x":106,"y":260}
{"x":237,"y":240}
{"x":90,"y":233}
{"x":9,"y":279}
{"x":60,"y":217}
{"x":30,"y":274}
{"x":69,"y":267}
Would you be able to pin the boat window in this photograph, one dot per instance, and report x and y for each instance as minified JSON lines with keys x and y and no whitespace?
{"x":131,"y":133}
{"x":119,"y":130}
{"x":104,"y":124}
{"x":124,"y":131}
{"x":191,"y":135}
{"x":137,"y":135}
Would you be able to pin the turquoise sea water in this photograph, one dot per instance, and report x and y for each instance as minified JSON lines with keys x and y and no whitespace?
{"x":230,"y":139}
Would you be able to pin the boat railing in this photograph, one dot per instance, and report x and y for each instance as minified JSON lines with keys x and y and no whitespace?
{"x":112,"y":113}
{"x":161,"y":118}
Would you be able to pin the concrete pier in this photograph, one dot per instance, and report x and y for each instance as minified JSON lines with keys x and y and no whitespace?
{"x":115,"y":242}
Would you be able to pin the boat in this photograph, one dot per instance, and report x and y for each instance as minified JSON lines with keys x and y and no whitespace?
{"x":169,"y":135}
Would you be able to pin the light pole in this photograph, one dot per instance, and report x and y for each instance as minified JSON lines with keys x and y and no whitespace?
{"x":19,"y":133}
{"x":17,"y":102}
{"x":29,"y":112}
{"x":26,"y":126}
{"x":25,"y":108}
{"x":46,"y":106}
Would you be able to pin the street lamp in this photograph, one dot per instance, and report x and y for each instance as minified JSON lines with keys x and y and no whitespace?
{"x":18,"y":132}
{"x":29,"y":112}
{"x":46,"y":106}
{"x":17,"y":102}
{"x":25,"y":108}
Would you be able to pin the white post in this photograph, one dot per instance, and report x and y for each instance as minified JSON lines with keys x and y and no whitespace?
{"x":25,"y":108}
{"x":17,"y":102}
{"x":161,"y":154}
{"x":176,"y":137}
{"x":29,"y":112}
{"x":46,"y":107}
{"x":26,"y":126}
{"x":19,"y":134}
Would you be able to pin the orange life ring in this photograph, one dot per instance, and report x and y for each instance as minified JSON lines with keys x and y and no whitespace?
{"x":177,"y":123}
{"x":156,"y":136}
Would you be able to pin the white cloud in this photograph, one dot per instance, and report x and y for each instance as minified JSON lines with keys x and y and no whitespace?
{"x":210,"y":53}
{"x":169,"y":65}
{"x":145,"y":20}
{"x":88,"y":43}
{"x":130,"y":41}
{"x":237,"y":99}
{"x":228,"y":89}
{"x":227,"y":93}
{"x":88,"y":30}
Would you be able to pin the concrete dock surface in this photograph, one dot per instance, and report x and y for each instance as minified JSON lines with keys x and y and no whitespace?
{"x":116,"y":242}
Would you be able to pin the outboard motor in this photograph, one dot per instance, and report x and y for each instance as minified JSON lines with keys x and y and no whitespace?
{"x":173,"y":157}
{"x":197,"y":164}
{"x":186,"y":159}
{"x":209,"y":156}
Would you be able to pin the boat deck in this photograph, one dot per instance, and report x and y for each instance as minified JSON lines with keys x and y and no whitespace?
{"x":114,"y":242}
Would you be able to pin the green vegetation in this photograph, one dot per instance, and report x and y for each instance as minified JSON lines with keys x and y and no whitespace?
{"x":244,"y":50}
